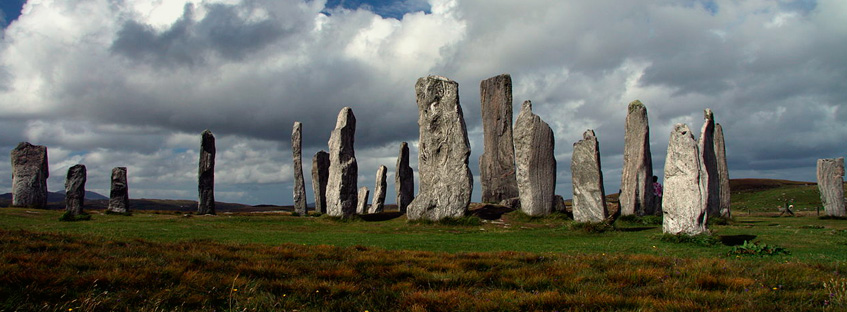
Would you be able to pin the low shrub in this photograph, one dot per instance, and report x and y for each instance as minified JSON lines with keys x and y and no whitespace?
{"x":750,"y":248}
{"x":720,"y":221}
{"x":705,"y":240}
{"x":592,"y":227}
{"x":645,"y":220}
{"x":69,"y":216}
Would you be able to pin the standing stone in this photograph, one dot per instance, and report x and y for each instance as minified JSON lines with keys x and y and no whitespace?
{"x":75,"y":190}
{"x":497,"y":163}
{"x":831,"y":185}
{"x":29,"y":175}
{"x":685,"y":195}
{"x":341,"y":197}
{"x":446,"y":182}
{"x":378,"y":204}
{"x":299,"y":183}
{"x":706,"y":144}
{"x":559,"y":204}
{"x":362,"y":204}
{"x":589,"y":195}
{"x":119,"y":194}
{"x":206,"y":175}
{"x":320,"y":175}
{"x":723,"y":173}
{"x":637,"y":177}
{"x":404,"y":179}
{"x":536,"y":164}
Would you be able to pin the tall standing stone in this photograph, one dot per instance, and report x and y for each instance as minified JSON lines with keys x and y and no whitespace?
{"x":497,"y":162}
{"x":362,"y":204}
{"x":446,"y":181}
{"x":831,"y":185}
{"x":320,"y":175}
{"x":706,"y":144}
{"x":299,"y":182}
{"x":206,"y":175}
{"x":589,"y":195}
{"x":637,"y":177}
{"x":404,"y":179}
{"x":341,"y":196}
{"x":723,"y":172}
{"x":75,"y":189}
{"x":378,"y":204}
{"x":29,"y":175}
{"x":685,"y":194}
{"x":119,"y":193}
{"x":536,"y":164}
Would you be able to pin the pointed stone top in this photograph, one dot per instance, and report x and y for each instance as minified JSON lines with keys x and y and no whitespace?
{"x":345,"y":116}
{"x":298,"y":124}
{"x":588,"y":135}
{"x":636,"y":105}
{"x":707,"y":114}
{"x":527,"y":105}
{"x":404,"y":144}
{"x":207,"y":132}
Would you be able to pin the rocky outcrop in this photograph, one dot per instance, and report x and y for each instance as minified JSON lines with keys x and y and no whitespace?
{"x":119,"y":194}
{"x":685,"y":194}
{"x":362,"y":204}
{"x":637,"y":174}
{"x":535,"y":162}
{"x":404,"y":179}
{"x":831,"y":185}
{"x":497,"y":163}
{"x":589,"y":195}
{"x":29,"y":175}
{"x":706,"y":145}
{"x":723,"y":173}
{"x":75,"y":190}
{"x":206,"y":175}
{"x":299,"y":181}
{"x":378,"y":204}
{"x":320,"y":175}
{"x":341,"y":188}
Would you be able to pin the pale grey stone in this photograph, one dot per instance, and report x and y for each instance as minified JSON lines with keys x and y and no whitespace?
{"x":75,"y":189}
{"x":320,"y":175}
{"x":404,"y":179}
{"x":119,"y":193}
{"x":497,"y":162}
{"x":378,"y":204}
{"x":723,"y":172}
{"x":341,"y":188}
{"x":706,"y":144}
{"x":685,"y":194}
{"x":362,"y":204}
{"x":29,"y":175}
{"x":636,"y":195}
{"x":589,"y":195}
{"x":831,"y":185}
{"x":514,"y":203}
{"x":535,"y":162}
{"x":206,"y":174}
{"x":299,"y":182}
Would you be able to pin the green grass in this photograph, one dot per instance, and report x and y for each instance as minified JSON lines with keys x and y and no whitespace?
{"x":803,"y":197}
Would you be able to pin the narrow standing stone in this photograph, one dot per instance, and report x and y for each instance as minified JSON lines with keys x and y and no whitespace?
{"x":320,"y":175}
{"x":706,"y":144}
{"x":637,"y":177}
{"x":831,"y":185}
{"x":206,"y":175}
{"x":723,"y":172}
{"x":404,"y":179}
{"x":535,"y":161}
{"x":362,"y":204}
{"x":119,"y":194}
{"x":497,"y":162}
{"x":341,"y":197}
{"x":378,"y":204}
{"x":299,"y":183}
{"x":685,"y":195}
{"x":29,"y":175}
{"x":589,"y":195}
{"x":75,"y":190}
{"x":446,"y":182}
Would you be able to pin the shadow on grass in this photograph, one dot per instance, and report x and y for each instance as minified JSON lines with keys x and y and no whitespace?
{"x":735,"y":240}
{"x":382,"y":216}
{"x":635,"y":229}
{"x":490,"y":212}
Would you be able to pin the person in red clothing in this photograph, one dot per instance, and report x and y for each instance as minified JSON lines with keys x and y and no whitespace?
{"x":657,"y":195}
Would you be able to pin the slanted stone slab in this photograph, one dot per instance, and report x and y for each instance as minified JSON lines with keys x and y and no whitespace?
{"x":320,"y":175}
{"x":404,"y":179}
{"x":723,"y":172}
{"x":685,"y":194}
{"x":299,"y":181}
{"x":206,"y":175}
{"x":535,"y":162}
{"x":831,"y":185}
{"x":75,"y":189}
{"x":362,"y":204}
{"x":706,"y":144}
{"x":589,"y":195}
{"x":119,"y":193}
{"x":378,"y":204}
{"x":497,"y":162}
{"x":636,"y":196}
{"x":446,"y":181}
{"x":341,"y":188}
{"x":29,"y":175}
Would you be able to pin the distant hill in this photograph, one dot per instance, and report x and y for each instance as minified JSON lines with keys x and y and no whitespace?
{"x":56,"y":200}
{"x":742,"y":185}
{"x":60,"y":196}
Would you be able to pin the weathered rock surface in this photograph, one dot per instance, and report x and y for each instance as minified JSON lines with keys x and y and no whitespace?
{"x":446,"y":181}
{"x":29,"y":175}
{"x":119,"y":194}
{"x":362,"y":204}
{"x":685,"y":194}
{"x":831,"y":185}
{"x":497,"y":162}
{"x":404,"y":179}
{"x":706,"y":144}
{"x":341,"y":188}
{"x":320,"y":175}
{"x":723,"y":172}
{"x":514,"y":203}
{"x":637,"y":175}
{"x":535,"y":162}
{"x":589,"y":195}
{"x":378,"y":204}
{"x":75,"y":189}
{"x":206,"y":175}
{"x":559,"y":204}
{"x":299,"y":181}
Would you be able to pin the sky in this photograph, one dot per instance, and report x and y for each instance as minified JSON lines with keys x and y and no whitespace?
{"x":133,"y":83}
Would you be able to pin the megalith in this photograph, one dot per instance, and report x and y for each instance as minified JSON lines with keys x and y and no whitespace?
{"x":723,"y":173}
{"x":497,"y":162}
{"x":378,"y":204}
{"x":831,"y":185}
{"x":404,"y":179}
{"x":299,"y":182}
{"x":75,"y":190}
{"x":685,"y":195}
{"x":362,"y":203}
{"x":706,"y":145}
{"x":320,"y":175}
{"x":589,"y":195}
{"x":119,"y":193}
{"x":636,"y":197}
{"x":446,"y":181}
{"x":206,"y":174}
{"x":341,"y":188}
{"x":535,"y":162}
{"x":29,"y":175}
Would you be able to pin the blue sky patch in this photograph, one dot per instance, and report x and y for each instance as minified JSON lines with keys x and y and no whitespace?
{"x":9,"y":11}
{"x":385,"y":8}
